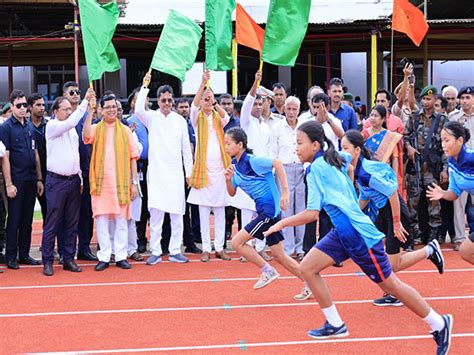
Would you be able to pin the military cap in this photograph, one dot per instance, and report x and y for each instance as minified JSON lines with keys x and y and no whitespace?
{"x":429,"y":90}
{"x":466,"y":90}
{"x":348,"y":97}
{"x":264,"y":92}
{"x":6,"y":107}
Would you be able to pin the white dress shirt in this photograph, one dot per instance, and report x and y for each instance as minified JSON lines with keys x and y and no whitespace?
{"x":328,"y":131}
{"x":2,"y":149}
{"x":258,"y":133}
{"x":274,"y":118}
{"x":467,"y":121}
{"x":306,"y":115}
{"x":283,"y":141}
{"x":62,"y":143}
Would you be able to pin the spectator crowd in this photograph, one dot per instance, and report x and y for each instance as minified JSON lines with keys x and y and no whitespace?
{"x":89,"y":164}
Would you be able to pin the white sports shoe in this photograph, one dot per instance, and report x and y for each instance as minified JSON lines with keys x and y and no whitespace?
{"x":266,"y":278}
{"x":304,"y":294}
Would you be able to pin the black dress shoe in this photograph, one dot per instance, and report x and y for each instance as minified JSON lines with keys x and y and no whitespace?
{"x":29,"y":261}
{"x":193,"y":249}
{"x":61,"y":260}
{"x":12,"y":264}
{"x":70,"y":265}
{"x":48,"y":269}
{"x":87,"y":256}
{"x":101,"y":266}
{"x":123,"y":264}
{"x":141,"y":248}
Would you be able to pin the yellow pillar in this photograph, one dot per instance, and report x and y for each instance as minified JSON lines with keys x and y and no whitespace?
{"x":234,"y":70}
{"x":373,"y":65}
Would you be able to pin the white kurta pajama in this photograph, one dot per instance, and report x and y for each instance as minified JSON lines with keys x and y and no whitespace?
{"x":212,"y":197}
{"x":169,"y":148}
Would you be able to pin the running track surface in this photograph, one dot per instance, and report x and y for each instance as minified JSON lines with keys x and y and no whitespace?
{"x":212,"y":308}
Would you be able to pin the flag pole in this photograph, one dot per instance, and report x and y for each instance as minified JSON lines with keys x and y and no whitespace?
{"x":149,"y":73}
{"x":91,"y":85}
{"x":234,"y":70}
{"x":391,"y":62}
{"x":260,"y":67}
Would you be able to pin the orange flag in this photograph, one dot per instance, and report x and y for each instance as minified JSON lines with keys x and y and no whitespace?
{"x":407,"y":18}
{"x":247,"y":32}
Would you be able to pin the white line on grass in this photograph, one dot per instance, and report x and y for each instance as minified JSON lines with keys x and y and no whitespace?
{"x":251,"y":345}
{"x":226,"y":307}
{"x":232,"y":279}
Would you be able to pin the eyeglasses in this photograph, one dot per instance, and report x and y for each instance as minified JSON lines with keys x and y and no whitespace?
{"x":111,"y":107}
{"x":74,"y":92}
{"x":164,"y":101}
{"x":24,"y":104}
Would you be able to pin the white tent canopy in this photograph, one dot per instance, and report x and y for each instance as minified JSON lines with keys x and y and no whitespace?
{"x":155,"y":12}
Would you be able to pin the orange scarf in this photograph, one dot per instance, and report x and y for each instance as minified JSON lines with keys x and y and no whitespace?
{"x":122,"y":161}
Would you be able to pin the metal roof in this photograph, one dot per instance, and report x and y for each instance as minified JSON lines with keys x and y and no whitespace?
{"x":155,"y":12}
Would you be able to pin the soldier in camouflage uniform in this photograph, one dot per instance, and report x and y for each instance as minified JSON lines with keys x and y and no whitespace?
{"x":426,"y":162}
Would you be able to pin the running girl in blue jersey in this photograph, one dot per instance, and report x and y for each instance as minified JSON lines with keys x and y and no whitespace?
{"x":461,"y":177}
{"x":379,"y":199}
{"x":254,"y":175}
{"x":354,"y":236}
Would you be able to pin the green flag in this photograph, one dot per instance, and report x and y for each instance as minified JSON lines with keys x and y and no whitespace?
{"x":286,"y":27}
{"x":178,"y":45}
{"x":98,"y":24}
{"x":219,"y":34}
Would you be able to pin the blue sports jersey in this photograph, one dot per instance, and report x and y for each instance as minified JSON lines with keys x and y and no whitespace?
{"x":332,"y":190}
{"x":377,"y":182}
{"x":461,"y":172}
{"x":253,"y":174}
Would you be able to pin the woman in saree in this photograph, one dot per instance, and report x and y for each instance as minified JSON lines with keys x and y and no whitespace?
{"x":384,"y":145}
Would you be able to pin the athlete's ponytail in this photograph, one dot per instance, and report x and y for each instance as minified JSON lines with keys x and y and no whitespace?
{"x":357,"y":140}
{"x":315,"y":133}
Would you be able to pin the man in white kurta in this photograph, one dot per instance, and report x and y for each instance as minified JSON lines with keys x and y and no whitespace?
{"x":169,"y":149}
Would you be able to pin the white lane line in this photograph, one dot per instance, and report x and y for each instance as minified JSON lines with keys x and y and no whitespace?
{"x":158,"y":282}
{"x":225,"y":307}
{"x":244,"y":345}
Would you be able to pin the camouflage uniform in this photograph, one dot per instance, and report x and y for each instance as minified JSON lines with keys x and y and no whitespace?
{"x":432,"y":163}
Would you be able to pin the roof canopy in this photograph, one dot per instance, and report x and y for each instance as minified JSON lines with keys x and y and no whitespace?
{"x":155,"y":12}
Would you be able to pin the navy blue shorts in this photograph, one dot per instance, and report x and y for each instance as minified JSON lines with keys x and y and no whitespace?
{"x":261,"y":224}
{"x":373,"y":262}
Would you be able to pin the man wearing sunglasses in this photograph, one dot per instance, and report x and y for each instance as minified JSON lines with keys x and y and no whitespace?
{"x":86,"y":223}
{"x":23,"y":180}
{"x":169,"y":149}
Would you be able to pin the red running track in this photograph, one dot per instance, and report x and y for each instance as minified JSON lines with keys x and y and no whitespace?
{"x":211,"y":307}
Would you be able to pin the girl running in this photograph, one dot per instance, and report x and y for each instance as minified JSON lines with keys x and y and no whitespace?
{"x":353,"y":236}
{"x":379,"y":199}
{"x":253,"y":174}
{"x":461,"y":177}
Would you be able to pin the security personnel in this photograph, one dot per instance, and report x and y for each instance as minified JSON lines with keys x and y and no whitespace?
{"x":426,"y":164}
{"x":465,"y":116}
{"x":23,"y":179}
